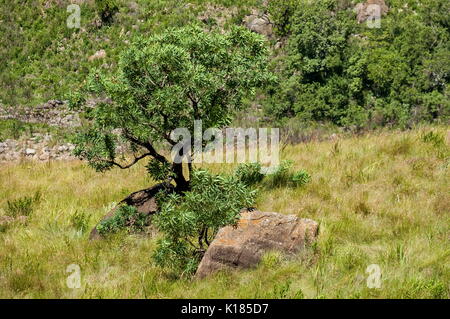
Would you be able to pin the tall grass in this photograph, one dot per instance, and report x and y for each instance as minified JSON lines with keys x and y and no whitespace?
{"x":382,"y":198}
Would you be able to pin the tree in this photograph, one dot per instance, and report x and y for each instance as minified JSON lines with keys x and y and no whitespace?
{"x":166,"y":82}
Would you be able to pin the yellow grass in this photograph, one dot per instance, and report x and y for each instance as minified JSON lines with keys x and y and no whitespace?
{"x":382,"y":198}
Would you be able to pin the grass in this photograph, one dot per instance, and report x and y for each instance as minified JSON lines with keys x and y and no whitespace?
{"x":15,"y":129}
{"x":382,"y":198}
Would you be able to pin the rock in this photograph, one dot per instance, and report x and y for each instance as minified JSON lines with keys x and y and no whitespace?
{"x":256,"y":233}
{"x":143,"y":200}
{"x":44,"y":157}
{"x":30,"y":151}
{"x":370,"y":8}
{"x":101,"y":54}
{"x":63,"y":148}
{"x":259,"y":24}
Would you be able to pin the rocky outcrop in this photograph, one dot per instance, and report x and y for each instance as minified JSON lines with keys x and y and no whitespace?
{"x":100,"y":54}
{"x":259,"y":23}
{"x":40,"y":147}
{"x":144,"y":201}
{"x":53,"y":113}
{"x":370,"y":9}
{"x":256,"y":233}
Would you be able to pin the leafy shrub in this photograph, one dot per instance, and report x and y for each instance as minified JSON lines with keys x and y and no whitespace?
{"x":106,"y":9}
{"x":281,"y":13}
{"x":22,"y":206}
{"x":301,"y":178}
{"x":80,"y":221}
{"x":125,"y":217}
{"x":158,"y":170}
{"x":190,"y":222}
{"x":249,"y":173}
{"x":433,"y":138}
{"x":284,"y":176}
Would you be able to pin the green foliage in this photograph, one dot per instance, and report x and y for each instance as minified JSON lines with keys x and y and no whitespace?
{"x":42,"y":59}
{"x":165,"y":82}
{"x":159,"y":171}
{"x":126,"y":217}
{"x":80,"y":221}
{"x":11,"y":129}
{"x":433,"y":138}
{"x":22,"y":206}
{"x":15,"y":129}
{"x":249,"y":173}
{"x":106,"y":9}
{"x":301,"y":178}
{"x":281,"y":13}
{"x":438,"y":142}
{"x":190,"y":222}
{"x":283,"y":176}
{"x":355,"y":76}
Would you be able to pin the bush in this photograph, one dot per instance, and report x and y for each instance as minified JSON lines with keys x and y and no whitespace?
{"x":22,"y":206}
{"x":125,"y":217}
{"x":106,"y":9}
{"x":190,"y":222}
{"x":80,"y":221}
{"x":284,"y":176}
{"x":300,"y":178}
{"x":249,"y":173}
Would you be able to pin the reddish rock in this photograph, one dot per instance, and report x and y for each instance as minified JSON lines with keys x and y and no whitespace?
{"x":256,"y":233}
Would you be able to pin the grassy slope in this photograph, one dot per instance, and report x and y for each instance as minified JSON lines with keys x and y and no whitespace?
{"x":380,"y":199}
{"x":42,"y":59}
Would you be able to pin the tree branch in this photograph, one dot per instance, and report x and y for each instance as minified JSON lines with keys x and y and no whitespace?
{"x":136,"y":159}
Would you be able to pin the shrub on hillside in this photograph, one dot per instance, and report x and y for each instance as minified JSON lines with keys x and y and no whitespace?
{"x":106,"y":9}
{"x":22,"y":206}
{"x":249,"y":173}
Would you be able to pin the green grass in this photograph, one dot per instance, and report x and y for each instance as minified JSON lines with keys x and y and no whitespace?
{"x":382,"y":198}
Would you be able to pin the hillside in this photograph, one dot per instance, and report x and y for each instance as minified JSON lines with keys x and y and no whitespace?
{"x":332,"y":64}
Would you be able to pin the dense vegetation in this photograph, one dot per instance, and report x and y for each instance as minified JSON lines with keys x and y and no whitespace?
{"x":336,"y":70}
{"x":330,"y":68}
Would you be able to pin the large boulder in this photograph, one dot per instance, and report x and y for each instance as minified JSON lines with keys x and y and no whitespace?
{"x":144,"y":201}
{"x":259,"y":23}
{"x":370,"y":8}
{"x":256,"y":233}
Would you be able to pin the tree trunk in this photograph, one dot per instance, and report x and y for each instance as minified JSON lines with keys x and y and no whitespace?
{"x":180,"y":180}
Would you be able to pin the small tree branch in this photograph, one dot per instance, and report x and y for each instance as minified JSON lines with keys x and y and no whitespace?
{"x":147,"y":145}
{"x":136,"y":159}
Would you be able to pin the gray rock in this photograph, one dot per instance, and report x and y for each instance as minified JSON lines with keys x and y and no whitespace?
{"x":370,"y":9}
{"x":259,"y":24}
{"x":30,"y":151}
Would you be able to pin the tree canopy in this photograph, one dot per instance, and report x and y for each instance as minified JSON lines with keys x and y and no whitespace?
{"x":165,"y":82}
